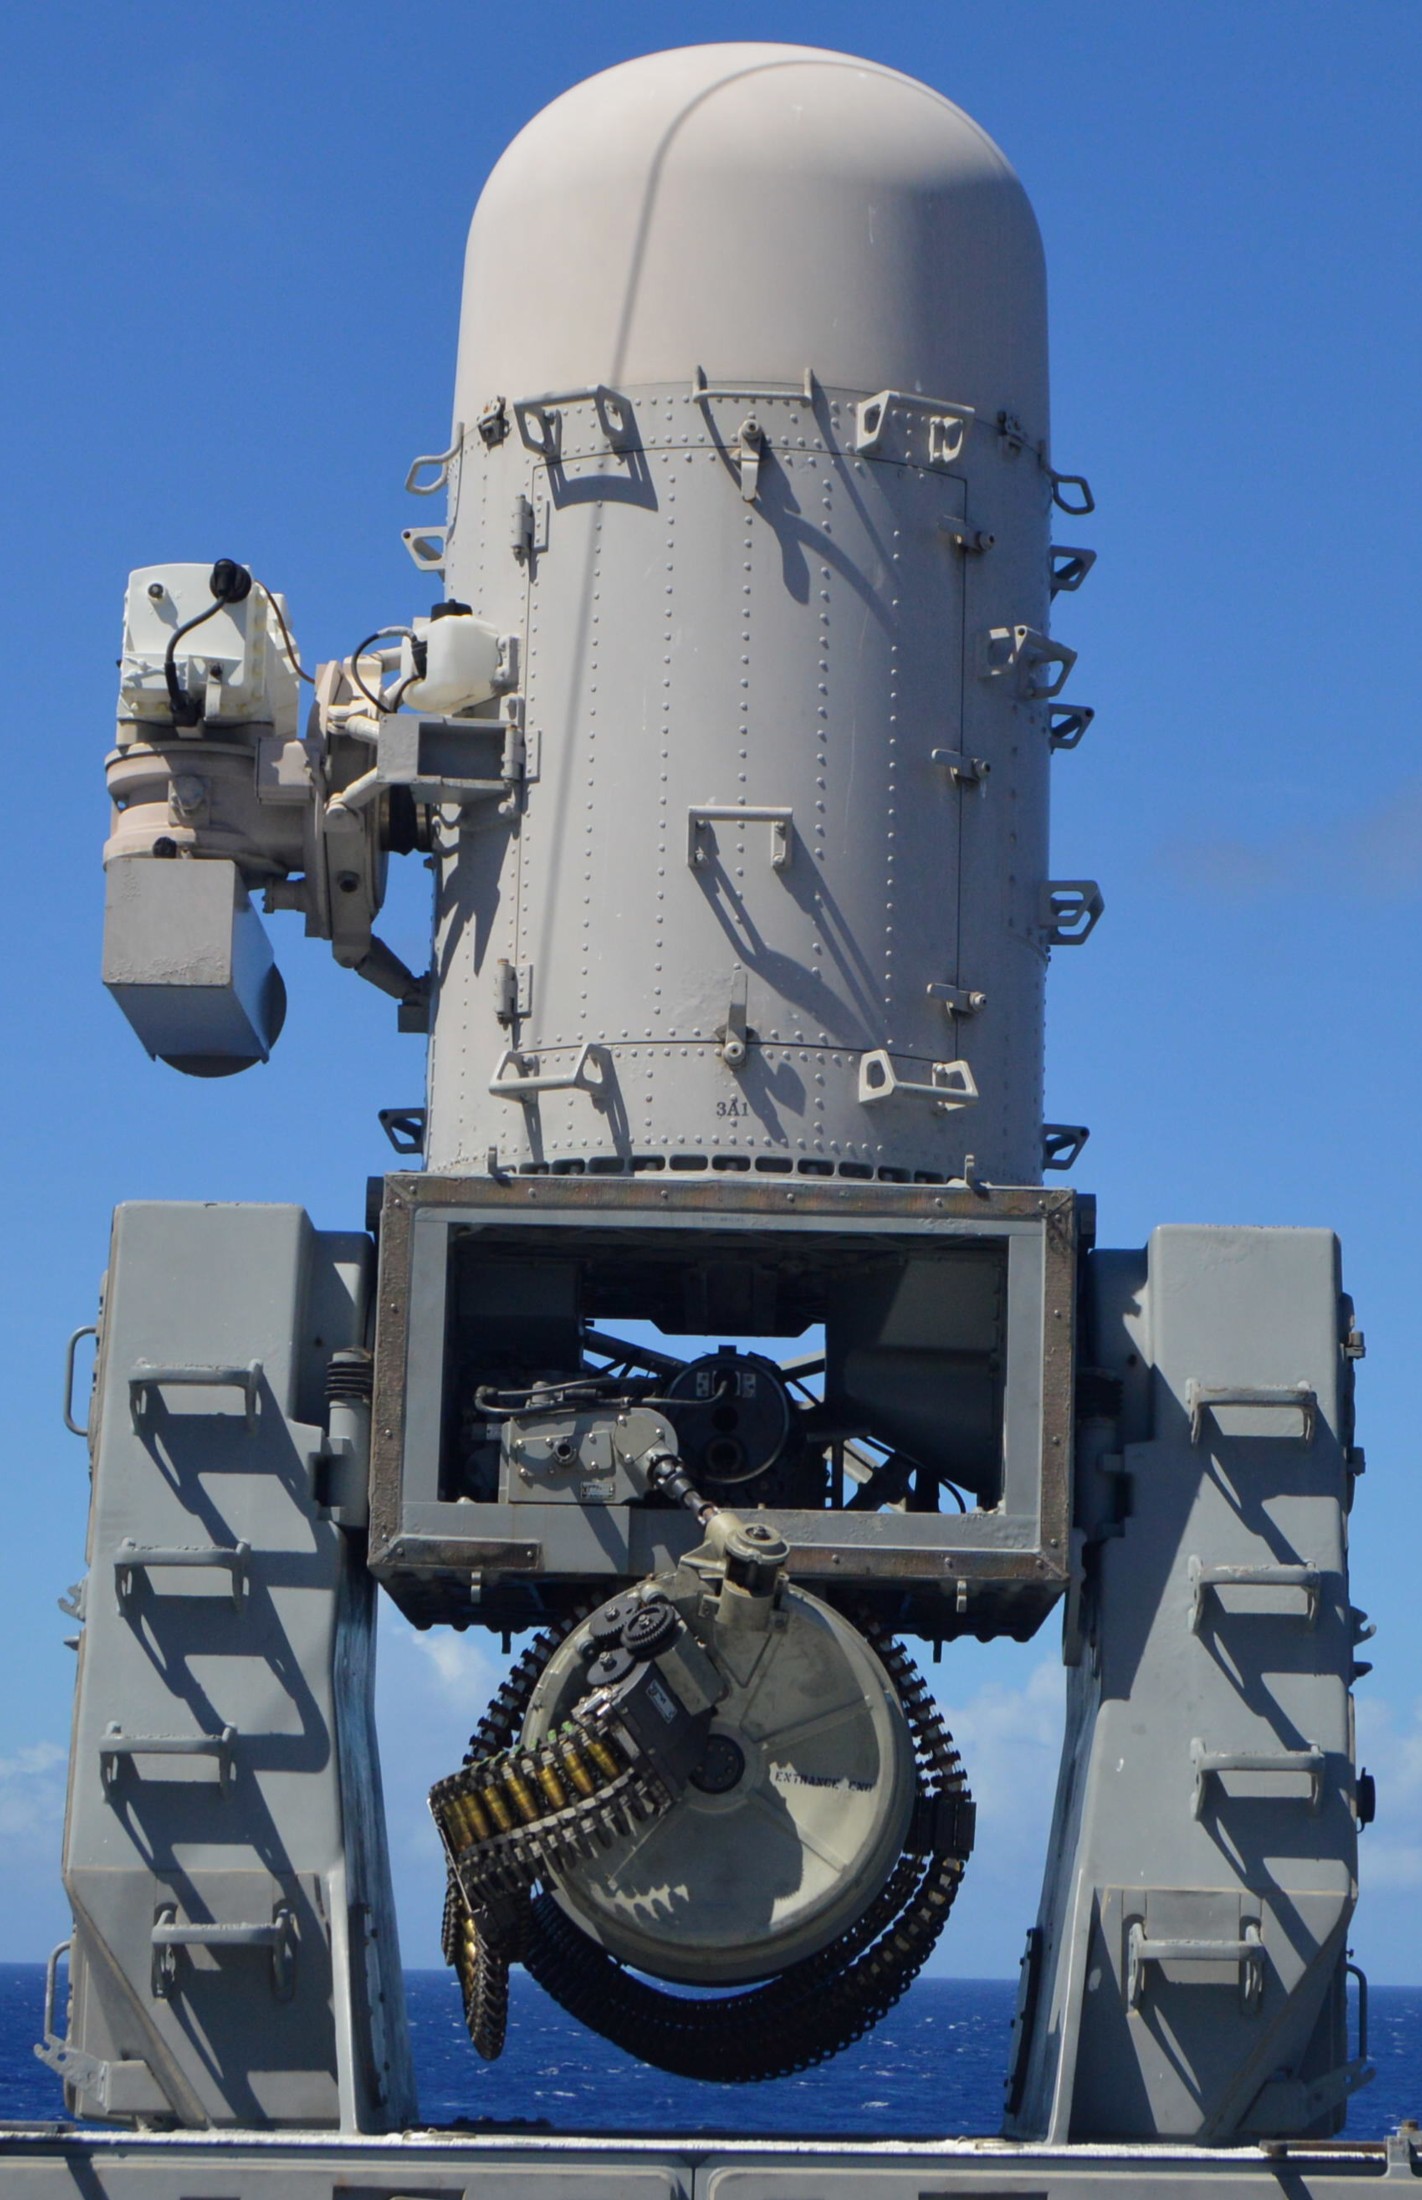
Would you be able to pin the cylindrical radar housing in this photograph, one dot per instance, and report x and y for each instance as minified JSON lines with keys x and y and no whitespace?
{"x":752,"y":463}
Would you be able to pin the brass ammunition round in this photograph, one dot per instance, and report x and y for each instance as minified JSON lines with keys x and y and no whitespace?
{"x":550,"y":1783}
{"x":576,"y":1769}
{"x":476,"y":1818}
{"x":492,"y":1797}
{"x":602,"y":1756}
{"x":467,"y":1819}
{"x":527,"y":1801}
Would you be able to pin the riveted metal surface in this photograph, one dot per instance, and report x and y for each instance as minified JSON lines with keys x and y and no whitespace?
{"x":762,"y":545}
{"x":810,"y":653}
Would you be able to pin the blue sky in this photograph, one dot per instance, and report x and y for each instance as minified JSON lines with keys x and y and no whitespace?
{"x":231,"y":254}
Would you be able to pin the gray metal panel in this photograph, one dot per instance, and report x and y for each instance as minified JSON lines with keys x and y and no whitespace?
{"x":818,"y":653}
{"x":570,"y":2166}
{"x":1216,"y":1626}
{"x":188,"y":962}
{"x":223,"y":1765}
{"x":796,"y":623}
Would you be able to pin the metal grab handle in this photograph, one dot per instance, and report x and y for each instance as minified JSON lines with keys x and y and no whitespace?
{"x":1203,"y":1398}
{"x":1247,"y":1952}
{"x":1209,"y":1764}
{"x":146,"y":1378}
{"x":133,"y":1558}
{"x":75,"y":1428}
{"x":805,"y":390}
{"x":426,"y":545}
{"x":405,"y":1128}
{"x":1066,"y":725}
{"x":702,"y":814}
{"x":953,"y":1084}
{"x":523,"y":1087}
{"x":117,"y":1745}
{"x":1085,"y":502}
{"x":1023,"y":651}
{"x":279,"y":1936}
{"x":1062,"y":1143}
{"x":1071,"y":910}
{"x":1204,"y":1578}
{"x":948,"y":423}
{"x":1068,"y":568}
{"x":51,"y":1984}
{"x":540,"y":428}
{"x":440,"y":460}
{"x":1354,"y":1971}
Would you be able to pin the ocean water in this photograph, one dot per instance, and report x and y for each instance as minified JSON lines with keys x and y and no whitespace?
{"x":936,"y":2065}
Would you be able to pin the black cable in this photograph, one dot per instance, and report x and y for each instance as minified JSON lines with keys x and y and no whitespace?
{"x":381,"y":634}
{"x":186,"y":709}
{"x":230,"y":583}
{"x":291,"y":657}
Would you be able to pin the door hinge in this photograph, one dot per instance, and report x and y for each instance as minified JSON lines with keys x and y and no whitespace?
{"x":956,"y":999}
{"x":963,"y":770}
{"x":513,"y":990}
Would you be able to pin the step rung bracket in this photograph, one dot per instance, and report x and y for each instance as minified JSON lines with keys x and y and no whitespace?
{"x":1203,"y":1578}
{"x":117,"y":1746}
{"x":146,"y":1379}
{"x":279,"y":1936}
{"x":1211,"y":1764}
{"x":1204,"y":1398}
{"x":1247,"y":1953}
{"x":140,"y":1558}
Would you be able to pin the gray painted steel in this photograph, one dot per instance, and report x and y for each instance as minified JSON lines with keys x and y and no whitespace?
{"x":1195,"y":1913}
{"x":235,"y":1959}
{"x":755,"y":315}
{"x":569,"y":2166}
{"x":188,"y":962}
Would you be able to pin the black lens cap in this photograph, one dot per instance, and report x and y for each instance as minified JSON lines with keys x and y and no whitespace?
{"x":229,"y":581}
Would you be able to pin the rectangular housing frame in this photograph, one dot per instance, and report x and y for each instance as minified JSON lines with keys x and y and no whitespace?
{"x":984,"y":1572}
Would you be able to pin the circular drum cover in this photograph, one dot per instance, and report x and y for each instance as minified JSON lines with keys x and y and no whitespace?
{"x":735,"y":1882}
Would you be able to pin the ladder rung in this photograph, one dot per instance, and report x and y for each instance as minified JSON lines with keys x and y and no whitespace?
{"x":1203,"y":1578}
{"x":146,"y":1378}
{"x":1247,"y":1953}
{"x":279,"y":1936}
{"x":1210,"y":1764}
{"x":134,"y":1558}
{"x":1203,"y":1398}
{"x":116,"y":1746}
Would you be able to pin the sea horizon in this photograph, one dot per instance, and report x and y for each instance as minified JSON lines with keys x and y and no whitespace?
{"x":935,"y":2067}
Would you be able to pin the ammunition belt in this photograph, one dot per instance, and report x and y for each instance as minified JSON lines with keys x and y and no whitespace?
{"x":511,"y":1820}
{"x":808,"y":2012}
{"x":510,"y":1817}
